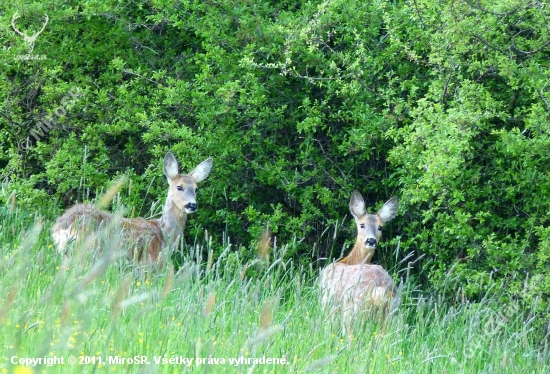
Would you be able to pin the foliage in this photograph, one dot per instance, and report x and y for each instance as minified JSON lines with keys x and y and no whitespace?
{"x":471,"y":161}
{"x":443,"y":104}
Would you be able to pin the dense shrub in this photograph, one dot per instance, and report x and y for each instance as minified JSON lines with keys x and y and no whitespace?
{"x":443,"y":104}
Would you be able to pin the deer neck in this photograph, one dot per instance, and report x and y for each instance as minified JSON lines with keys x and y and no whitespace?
{"x":358,"y":255}
{"x":172,"y":222}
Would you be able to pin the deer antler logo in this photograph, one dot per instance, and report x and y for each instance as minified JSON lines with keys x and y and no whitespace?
{"x":29,"y":40}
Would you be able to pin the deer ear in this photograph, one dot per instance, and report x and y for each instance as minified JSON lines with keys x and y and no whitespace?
{"x":357,"y":205}
{"x":389,"y":210}
{"x":202,"y":170}
{"x":170,"y":166}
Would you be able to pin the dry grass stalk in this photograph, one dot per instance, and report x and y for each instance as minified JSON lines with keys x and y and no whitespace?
{"x":243,"y":272}
{"x":209,"y":305}
{"x":65,"y":312}
{"x":9,"y":302}
{"x":111,"y":192}
{"x":266,"y":315}
{"x":169,"y":282}
{"x":122,"y":294}
{"x":210,"y":259}
{"x":264,"y":246}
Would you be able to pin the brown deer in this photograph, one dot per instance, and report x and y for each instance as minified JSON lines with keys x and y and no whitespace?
{"x":353,"y":284}
{"x":145,"y":236}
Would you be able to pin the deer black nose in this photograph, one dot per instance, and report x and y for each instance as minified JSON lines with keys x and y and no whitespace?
{"x":371,"y":242}
{"x":191,"y":206}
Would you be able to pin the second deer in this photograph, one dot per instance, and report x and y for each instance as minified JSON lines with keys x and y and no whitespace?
{"x":353,"y":284}
{"x":146,"y":237}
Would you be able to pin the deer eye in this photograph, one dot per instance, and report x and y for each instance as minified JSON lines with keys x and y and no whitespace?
{"x":379,"y":228}
{"x":362,"y":225}
{"x":196,"y":190}
{"x":179,"y":188}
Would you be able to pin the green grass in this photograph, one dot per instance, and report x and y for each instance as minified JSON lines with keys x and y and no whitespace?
{"x":228,"y":308}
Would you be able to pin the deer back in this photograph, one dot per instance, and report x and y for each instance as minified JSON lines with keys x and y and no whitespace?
{"x":140,"y":235}
{"x":356,"y":287}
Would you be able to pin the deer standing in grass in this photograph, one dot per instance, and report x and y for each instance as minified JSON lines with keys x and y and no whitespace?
{"x":353,"y":283}
{"x":148,"y":237}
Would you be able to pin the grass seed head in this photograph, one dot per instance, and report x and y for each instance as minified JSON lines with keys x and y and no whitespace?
{"x":111,"y":192}
{"x":266,"y":315}
{"x":169,"y":282}
{"x":264,"y":246}
{"x":210,"y":303}
{"x":122,"y":294}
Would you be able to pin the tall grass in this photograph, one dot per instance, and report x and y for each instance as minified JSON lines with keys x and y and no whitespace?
{"x":215,"y":309}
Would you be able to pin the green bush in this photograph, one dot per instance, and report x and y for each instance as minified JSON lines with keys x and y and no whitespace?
{"x":444,"y":105}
